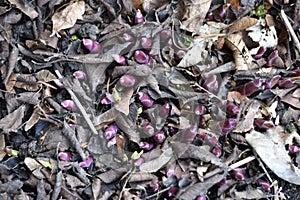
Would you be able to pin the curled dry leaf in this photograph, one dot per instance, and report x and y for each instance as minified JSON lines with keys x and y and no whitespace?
{"x":241,"y":54}
{"x":25,"y":8}
{"x":271,"y":149}
{"x":12,"y":121}
{"x":67,"y":17}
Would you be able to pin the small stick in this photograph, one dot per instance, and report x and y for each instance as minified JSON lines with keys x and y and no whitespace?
{"x":290,"y":28}
{"x":241,"y":162}
{"x":80,"y":107}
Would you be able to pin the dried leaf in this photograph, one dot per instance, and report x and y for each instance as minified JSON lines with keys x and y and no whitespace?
{"x":271,"y":149}
{"x":236,"y":97}
{"x":45,"y":75}
{"x":242,"y":24}
{"x":32,"y":120}
{"x":249,"y":193}
{"x":112,"y":175}
{"x":293,"y":101}
{"x":12,"y":121}
{"x":158,"y":163}
{"x":122,"y":104}
{"x":73,"y":181}
{"x":25,"y":8}
{"x":35,"y":167}
{"x":67,"y":17}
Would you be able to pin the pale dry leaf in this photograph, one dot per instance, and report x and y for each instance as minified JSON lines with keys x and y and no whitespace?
{"x":32,"y":120}
{"x":194,"y":13}
{"x":241,"y":54}
{"x":249,"y":193}
{"x":12,"y":121}
{"x":35,"y":167}
{"x":291,"y":100}
{"x":242,"y":24}
{"x":271,"y":149}
{"x":236,"y":97}
{"x":158,"y":163}
{"x":67,"y":17}
{"x":27,"y":10}
{"x":122,"y":104}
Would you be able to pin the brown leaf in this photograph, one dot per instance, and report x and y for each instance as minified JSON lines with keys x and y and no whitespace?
{"x":112,"y":175}
{"x":156,"y":164}
{"x":242,"y":24}
{"x":73,"y":181}
{"x":122,"y":104}
{"x":32,"y":120}
{"x":247,"y":123}
{"x":67,"y":17}
{"x":45,"y":75}
{"x":12,"y":121}
{"x":25,"y":8}
{"x":293,"y":101}
{"x":249,"y":193}
{"x":271,"y":149}
{"x":234,"y":3}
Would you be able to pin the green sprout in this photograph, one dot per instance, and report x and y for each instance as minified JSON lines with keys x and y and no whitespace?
{"x":187,"y":42}
{"x":74,"y":37}
{"x":136,"y":155}
{"x":259,"y":11}
{"x":14,"y":152}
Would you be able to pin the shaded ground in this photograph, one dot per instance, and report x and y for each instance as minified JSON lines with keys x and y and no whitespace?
{"x":152,"y":99}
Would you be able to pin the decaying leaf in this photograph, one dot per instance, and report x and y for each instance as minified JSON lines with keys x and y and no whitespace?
{"x":249,"y":193}
{"x":123,"y":101}
{"x":35,"y":167}
{"x":158,"y":163}
{"x":12,"y":121}
{"x":112,"y":175}
{"x":242,"y":24}
{"x":32,"y":120}
{"x":293,"y":101}
{"x":271,"y":149}
{"x":241,"y":54}
{"x":25,"y":8}
{"x":67,"y":17}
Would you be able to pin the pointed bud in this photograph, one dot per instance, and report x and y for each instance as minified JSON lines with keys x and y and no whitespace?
{"x":111,"y":131}
{"x":156,"y":187}
{"x":87,"y":162}
{"x":261,"y":51}
{"x":127,"y":80}
{"x":111,"y":142}
{"x":210,"y":16}
{"x":189,"y":134}
{"x":128,"y":38}
{"x":145,"y":99}
{"x":293,"y":149}
{"x":250,"y":87}
{"x":58,"y":83}
{"x":228,"y":125}
{"x":146,"y":146}
{"x":141,"y":57}
{"x":68,"y":104}
{"x":105,"y":101}
{"x":285,"y":83}
{"x":166,"y":110}
{"x":139,"y":18}
{"x":159,"y":137}
{"x":147,"y":128}
{"x":296,"y":72}
{"x":79,"y":75}
{"x":65,"y":156}
{"x":211,"y":84}
{"x":200,"y":110}
{"x":146,"y":43}
{"x":264,"y":184}
{"x":91,"y":45}
{"x":272,"y":57}
{"x":170,"y":172}
{"x":271,"y":82}
{"x":165,"y":34}
{"x":263,"y":124}
{"x":119,"y":59}
{"x":217,"y":151}
{"x":201,"y":198}
{"x":222,"y":182}
{"x":239,"y":174}
{"x":231,"y":108}
{"x":172,"y":191}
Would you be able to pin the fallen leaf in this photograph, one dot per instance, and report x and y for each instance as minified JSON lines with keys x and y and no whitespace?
{"x":156,"y":164}
{"x":242,"y":24}
{"x":112,"y":175}
{"x":67,"y":17}
{"x":12,"y":121}
{"x":271,"y":149}
{"x":293,"y":101}
{"x":35,"y":167}
{"x":25,"y":8}
{"x":249,"y":193}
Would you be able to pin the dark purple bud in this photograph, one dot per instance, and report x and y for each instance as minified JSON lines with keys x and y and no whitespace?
{"x":272,"y":57}
{"x":286,"y":83}
{"x":271,"y":82}
{"x":261,"y":51}
{"x":127,"y":80}
{"x":128,"y":38}
{"x":170,"y":172}
{"x":58,"y":83}
{"x":119,"y":59}
{"x":91,"y":45}
{"x":65,"y":156}
{"x":222,"y":182}
{"x":231,"y":108}
{"x":263,"y":124}
{"x":217,"y":151}
{"x":146,"y":43}
{"x":141,"y":57}
{"x":159,"y":137}
{"x":139,"y":18}
{"x":189,"y":134}
{"x":228,"y":124}
{"x":146,"y":146}
{"x":201,"y":197}
{"x":166,"y":110}
{"x":172,"y":191}
{"x":68,"y":104}
{"x":156,"y":187}
{"x":264,"y":184}
{"x":296,"y":72}
{"x":111,"y":142}
{"x":86,"y":163}
{"x":200,"y":110}
{"x":105,"y":101}
{"x":165,"y":34}
{"x":211,"y":84}
{"x":222,"y":11}
{"x":210,"y":16}
{"x":138,"y":162}
{"x":293,"y":149}
{"x":239,"y":174}
{"x":72,"y":125}
{"x":79,"y":75}
{"x":145,"y":99}
{"x":202,"y":122}
{"x":111,"y":131}
{"x":250,"y":87}
{"x":148,"y":128}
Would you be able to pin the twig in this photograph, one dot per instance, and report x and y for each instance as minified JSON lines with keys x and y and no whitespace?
{"x":79,"y":106}
{"x":290,"y":28}
{"x":161,"y":191}
{"x":241,"y":162}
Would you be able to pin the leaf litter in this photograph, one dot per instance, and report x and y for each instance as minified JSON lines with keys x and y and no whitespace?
{"x":192,"y":111}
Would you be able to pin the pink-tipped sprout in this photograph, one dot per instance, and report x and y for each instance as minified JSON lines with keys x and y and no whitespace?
{"x":147,"y":128}
{"x":111,"y":131}
{"x":231,"y":108}
{"x":146,"y":43}
{"x":127,"y":80}
{"x":264,"y":184}
{"x":68,"y":104}
{"x":141,"y":57}
{"x":200,"y":110}
{"x":263,"y":124}
{"x":87,"y":162}
{"x":172,"y":191}
{"x":294,"y":149}
{"x":58,"y":83}
{"x":105,"y":101}
{"x":239,"y":174}
{"x":119,"y":59}
{"x":229,"y":124}
{"x":127,"y":37}
{"x":271,"y":82}
{"x":80,"y":75}
{"x":111,"y":142}
{"x":159,"y":137}
{"x":91,"y":45}
{"x":145,"y":99}
{"x":211,"y":84}
{"x":146,"y":146}
{"x":139,"y":17}
{"x":65,"y":156}
{"x":261,"y":51}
